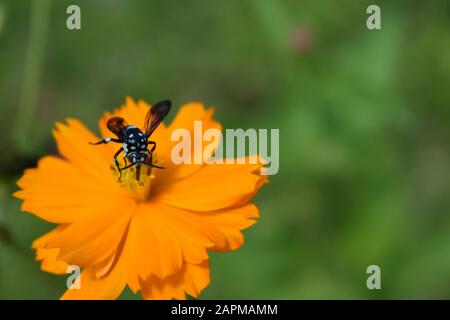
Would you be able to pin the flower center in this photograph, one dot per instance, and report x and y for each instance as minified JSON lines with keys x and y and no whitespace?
{"x":139,"y":188}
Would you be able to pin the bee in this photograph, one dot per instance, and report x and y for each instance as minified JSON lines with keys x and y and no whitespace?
{"x":135,"y":143}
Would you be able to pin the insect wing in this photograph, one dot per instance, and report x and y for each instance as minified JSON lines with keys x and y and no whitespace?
{"x":155,"y":115}
{"x":116,"y":125}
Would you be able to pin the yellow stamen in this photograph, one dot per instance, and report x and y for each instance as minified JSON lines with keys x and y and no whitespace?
{"x":140,"y":189}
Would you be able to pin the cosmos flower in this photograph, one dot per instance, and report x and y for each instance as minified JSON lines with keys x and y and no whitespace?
{"x":152,"y":234}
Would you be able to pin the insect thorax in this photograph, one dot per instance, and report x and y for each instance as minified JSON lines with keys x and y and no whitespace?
{"x":135,"y":145}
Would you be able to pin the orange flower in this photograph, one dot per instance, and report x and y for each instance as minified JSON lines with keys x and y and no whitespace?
{"x":153,"y":234}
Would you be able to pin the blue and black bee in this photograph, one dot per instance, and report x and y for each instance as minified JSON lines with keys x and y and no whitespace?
{"x":135,"y":142}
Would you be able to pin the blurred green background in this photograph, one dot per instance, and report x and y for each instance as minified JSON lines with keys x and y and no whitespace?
{"x":364,"y":120}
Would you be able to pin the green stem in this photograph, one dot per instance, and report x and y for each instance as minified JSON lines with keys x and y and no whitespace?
{"x":40,"y":12}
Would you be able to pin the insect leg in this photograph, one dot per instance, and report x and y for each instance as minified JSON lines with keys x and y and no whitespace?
{"x":153,"y":143}
{"x":106,"y":140}
{"x":152,"y":165}
{"x":151,"y":162}
{"x":117,"y":162}
{"x":126,"y":167}
{"x":130,"y":165}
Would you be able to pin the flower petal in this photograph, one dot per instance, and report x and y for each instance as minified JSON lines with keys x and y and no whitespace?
{"x":191,"y":279}
{"x":222,"y":227}
{"x":194,"y":241}
{"x":94,"y":238}
{"x":50,"y":262}
{"x":58,"y":192}
{"x":214,"y":187}
{"x":49,"y":257}
{"x":185,"y":119}
{"x":73,"y":144}
{"x":150,"y":248}
{"x":92,"y":288}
